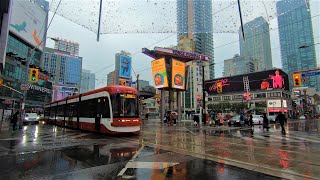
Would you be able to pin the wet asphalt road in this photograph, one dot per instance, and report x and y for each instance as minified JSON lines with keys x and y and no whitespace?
{"x":160,"y":152}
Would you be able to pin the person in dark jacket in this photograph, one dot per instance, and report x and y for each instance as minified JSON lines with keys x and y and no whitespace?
{"x":14,"y":120}
{"x":282,"y":119}
{"x":265,"y":123}
{"x":250,"y":117}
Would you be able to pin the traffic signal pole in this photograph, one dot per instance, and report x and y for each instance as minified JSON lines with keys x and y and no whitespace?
{"x":23,"y":103}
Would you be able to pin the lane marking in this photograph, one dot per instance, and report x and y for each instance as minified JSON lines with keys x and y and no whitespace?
{"x":131,"y":160}
{"x":189,"y":130}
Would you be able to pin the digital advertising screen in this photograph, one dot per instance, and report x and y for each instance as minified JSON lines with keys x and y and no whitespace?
{"x":28,"y":21}
{"x":125,"y":67}
{"x":159,"y":73}
{"x":263,"y":80}
{"x":178,"y":74}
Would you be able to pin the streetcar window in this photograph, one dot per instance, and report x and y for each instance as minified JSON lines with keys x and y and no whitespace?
{"x":124,"y":105}
{"x":60,"y":111}
{"x":105,"y":108}
{"x":88,"y":108}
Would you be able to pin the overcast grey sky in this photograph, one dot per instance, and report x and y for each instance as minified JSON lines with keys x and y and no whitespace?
{"x":97,"y":56}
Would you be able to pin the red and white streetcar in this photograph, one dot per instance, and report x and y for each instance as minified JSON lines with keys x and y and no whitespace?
{"x":111,"y":110}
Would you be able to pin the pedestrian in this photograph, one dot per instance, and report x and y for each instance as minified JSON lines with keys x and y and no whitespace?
{"x":228,"y":117}
{"x":241,"y":119}
{"x":220,"y":119}
{"x":282,"y":119}
{"x":14,"y":120}
{"x":265,"y":122}
{"x":174,"y":118}
{"x":195,"y":120}
{"x":147,"y":116}
{"x":168,"y":118}
{"x":250,"y":119}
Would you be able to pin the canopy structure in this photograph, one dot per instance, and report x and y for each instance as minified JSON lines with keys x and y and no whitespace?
{"x":160,"y":16}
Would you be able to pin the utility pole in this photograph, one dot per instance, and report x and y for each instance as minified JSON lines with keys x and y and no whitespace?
{"x":203,"y":98}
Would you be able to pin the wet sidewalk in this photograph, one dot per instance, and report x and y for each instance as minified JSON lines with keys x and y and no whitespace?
{"x":295,"y":155}
{"x":150,"y":163}
{"x":50,"y":152}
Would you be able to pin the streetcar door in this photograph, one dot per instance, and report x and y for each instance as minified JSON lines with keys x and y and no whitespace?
{"x":98,"y":115}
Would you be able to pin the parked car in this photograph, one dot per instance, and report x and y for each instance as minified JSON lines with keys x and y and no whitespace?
{"x":272,"y":118}
{"x":31,"y":118}
{"x":235,"y":121}
{"x":257,"y":119}
{"x":303,"y":117}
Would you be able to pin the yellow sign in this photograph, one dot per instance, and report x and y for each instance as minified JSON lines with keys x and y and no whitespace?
{"x":159,"y":73}
{"x":178,"y":74}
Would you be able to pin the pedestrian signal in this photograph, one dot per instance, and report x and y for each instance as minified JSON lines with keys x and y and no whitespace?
{"x":1,"y":82}
{"x":219,"y":87}
{"x":297,"y":80}
{"x":34,"y":73}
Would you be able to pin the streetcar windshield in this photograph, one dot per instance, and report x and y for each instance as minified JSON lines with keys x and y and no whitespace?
{"x":124,"y":105}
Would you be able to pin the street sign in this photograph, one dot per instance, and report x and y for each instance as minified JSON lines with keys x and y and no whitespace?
{"x":24,"y":87}
{"x":308,"y":74}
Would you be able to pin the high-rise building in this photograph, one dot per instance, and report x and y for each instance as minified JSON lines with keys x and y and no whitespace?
{"x":256,"y":46}
{"x":194,"y":20}
{"x":295,"y":31}
{"x":67,"y":46}
{"x":237,"y":65}
{"x":111,"y":78}
{"x":67,"y":72}
{"x":88,"y":81}
{"x":123,"y":67}
{"x":22,"y":41}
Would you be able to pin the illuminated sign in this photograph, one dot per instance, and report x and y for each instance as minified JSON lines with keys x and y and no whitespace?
{"x":38,"y":88}
{"x":125,"y":67}
{"x":43,"y":77}
{"x":159,"y":73}
{"x":183,"y":54}
{"x":178,"y":74}
{"x":28,"y":21}
{"x":263,"y":80}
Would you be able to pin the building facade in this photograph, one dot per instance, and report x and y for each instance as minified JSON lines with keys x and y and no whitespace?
{"x":295,"y":31}
{"x":88,"y":81}
{"x":194,"y":20}
{"x":5,"y":12}
{"x":66,"y":70}
{"x":263,"y":91}
{"x":67,"y":46}
{"x":237,"y":65}
{"x":111,"y":78}
{"x":24,"y":47}
{"x":123,"y":68}
{"x":256,"y":48}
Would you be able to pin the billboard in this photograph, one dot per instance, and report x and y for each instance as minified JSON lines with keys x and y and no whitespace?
{"x":275,"y":79}
{"x":178,"y":74}
{"x":125,"y":67}
{"x":29,"y":22}
{"x":159,"y":73}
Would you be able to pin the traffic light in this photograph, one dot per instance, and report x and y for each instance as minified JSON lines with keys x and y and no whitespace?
{"x":123,"y":82}
{"x":34,"y":73}
{"x":297,"y":80}
{"x":219,"y":87}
